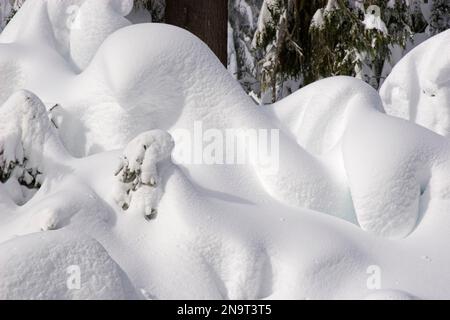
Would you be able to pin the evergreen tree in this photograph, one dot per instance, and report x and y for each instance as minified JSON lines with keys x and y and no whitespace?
{"x":303,"y":41}
{"x":243,"y":16}
{"x":285,"y":43}
{"x":440,"y":16}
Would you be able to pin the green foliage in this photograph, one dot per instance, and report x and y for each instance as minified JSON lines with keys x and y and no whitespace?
{"x":296,"y":46}
{"x":344,"y":44}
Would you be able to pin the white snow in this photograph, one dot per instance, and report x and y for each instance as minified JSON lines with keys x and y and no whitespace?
{"x":94,"y":21}
{"x":391,"y":4}
{"x":418,"y":87}
{"x":331,"y":5}
{"x":372,"y":19}
{"x":318,"y":19}
{"x":138,"y":172}
{"x":356,"y":187}
{"x":389,"y":295}
{"x":232,"y":59}
{"x":47,"y":269}
{"x":25,"y":129}
{"x":264,"y":19}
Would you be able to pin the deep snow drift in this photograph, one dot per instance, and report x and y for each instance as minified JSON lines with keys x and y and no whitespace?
{"x":87,"y":180}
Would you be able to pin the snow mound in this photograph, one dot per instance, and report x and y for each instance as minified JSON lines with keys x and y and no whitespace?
{"x":54,"y":259}
{"x":418,"y":88}
{"x":76,"y":28}
{"x":94,"y":22}
{"x":224,"y":229}
{"x":385,"y":190}
{"x":24,"y":126}
{"x":389,"y":295}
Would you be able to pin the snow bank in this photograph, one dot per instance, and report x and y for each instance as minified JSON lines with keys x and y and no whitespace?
{"x":350,"y":189}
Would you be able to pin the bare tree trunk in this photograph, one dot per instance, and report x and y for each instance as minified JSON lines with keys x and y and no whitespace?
{"x":207,"y":19}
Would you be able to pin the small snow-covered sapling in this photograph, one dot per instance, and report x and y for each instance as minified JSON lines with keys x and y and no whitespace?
{"x":138,"y":180}
{"x":23,"y":127}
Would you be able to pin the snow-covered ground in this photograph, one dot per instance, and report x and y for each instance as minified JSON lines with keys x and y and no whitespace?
{"x":354,"y":202}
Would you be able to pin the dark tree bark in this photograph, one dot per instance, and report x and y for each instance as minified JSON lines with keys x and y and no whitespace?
{"x":207,"y":19}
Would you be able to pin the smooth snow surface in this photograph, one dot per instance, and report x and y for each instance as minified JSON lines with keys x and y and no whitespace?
{"x":372,"y":19}
{"x":418,"y":88}
{"x":355,"y":190}
{"x":50,"y":258}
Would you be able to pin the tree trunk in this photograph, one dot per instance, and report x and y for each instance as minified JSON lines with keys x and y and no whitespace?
{"x":207,"y":19}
